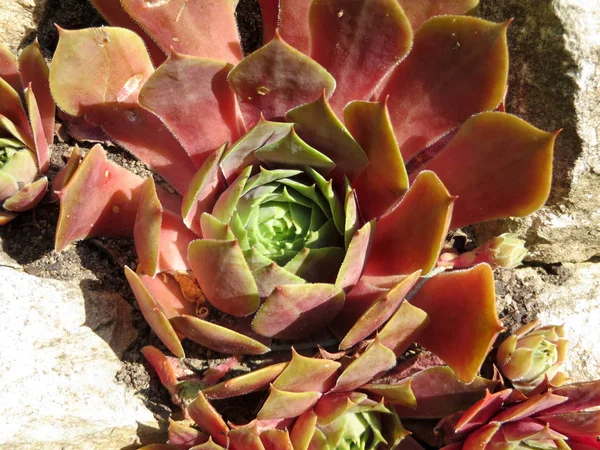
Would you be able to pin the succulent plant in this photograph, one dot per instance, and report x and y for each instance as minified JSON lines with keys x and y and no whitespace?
{"x":505,"y":251}
{"x":293,"y":205}
{"x":25,"y":133}
{"x":533,"y":354}
{"x":564,"y":417}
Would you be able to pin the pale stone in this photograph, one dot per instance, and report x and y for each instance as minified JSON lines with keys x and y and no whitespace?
{"x":554,"y":83}
{"x":16,"y":20}
{"x":59,"y":365}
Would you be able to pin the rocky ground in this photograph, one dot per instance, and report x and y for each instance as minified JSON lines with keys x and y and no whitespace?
{"x":72,"y":374}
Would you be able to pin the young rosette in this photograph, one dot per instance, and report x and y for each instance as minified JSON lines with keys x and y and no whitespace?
{"x":532,"y":355}
{"x":290,"y":204}
{"x":560,"y":418}
{"x":25,"y":133}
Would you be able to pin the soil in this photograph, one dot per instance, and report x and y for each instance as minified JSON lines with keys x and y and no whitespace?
{"x":97,"y":264}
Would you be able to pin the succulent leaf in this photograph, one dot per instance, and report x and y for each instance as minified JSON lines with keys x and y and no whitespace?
{"x":9,"y":68}
{"x":496,"y":150}
{"x":463,"y":322}
{"x":194,"y":28}
{"x":203,"y":92}
{"x":458,"y":67}
{"x":410,"y":236}
{"x":358,"y":43}
{"x":419,"y":12}
{"x":276,"y":78}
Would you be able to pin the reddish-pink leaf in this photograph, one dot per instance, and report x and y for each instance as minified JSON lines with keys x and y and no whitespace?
{"x":303,"y":430}
{"x":530,"y":407}
{"x":403,"y":328}
{"x":356,"y":257}
{"x":201,"y":91}
{"x":244,"y":384}
{"x":83,"y":84}
{"x":173,"y":243}
{"x":458,"y":67}
{"x":358,"y":43}
{"x":113,"y":12}
{"x":379,"y":312}
{"x":206,"y":29}
{"x":184,"y":436}
{"x":419,"y":12}
{"x":35,"y":73}
{"x":167,"y":292}
{"x":463,"y":322}
{"x":482,"y":411}
{"x":28,"y":197}
{"x":245,"y":438}
{"x":11,"y":109}
{"x":9,"y":68}
{"x":376,"y":359}
{"x":294,"y":23}
{"x":154,"y":314}
{"x":298,"y":310}
{"x":276,"y":440}
{"x":282,"y":405}
{"x":207,"y":418}
{"x":270,"y":18}
{"x":276,"y":78}
{"x":580,"y":396}
{"x":505,"y":168}
{"x":146,"y":230}
{"x":101,"y":199}
{"x":580,"y":423}
{"x":216,"y":337}
{"x":203,"y":191}
{"x":440,"y":393}
{"x":42,"y":151}
{"x":384,"y":180}
{"x":410,"y":236}
{"x":163,"y":367}
{"x":62,"y":178}
{"x":224,"y":276}
{"x":294,"y":378}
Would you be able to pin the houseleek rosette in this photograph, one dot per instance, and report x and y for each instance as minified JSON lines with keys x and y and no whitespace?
{"x":24,"y":132}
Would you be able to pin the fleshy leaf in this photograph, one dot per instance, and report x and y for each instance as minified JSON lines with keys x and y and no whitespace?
{"x":270,"y":18}
{"x":28,"y":197}
{"x":294,"y":378}
{"x":294,"y":25}
{"x":505,"y":168}
{"x":205,"y":29}
{"x":154,"y":314}
{"x":358,"y":43}
{"x":244,"y":384}
{"x":384,"y":180}
{"x":37,"y":127}
{"x":356,"y":257}
{"x":182,"y":435}
{"x":204,"y":115}
{"x":463,"y":322}
{"x":241,"y":154}
{"x":419,"y":12}
{"x":440,"y":393}
{"x":458,"y":67}
{"x":276,"y":440}
{"x":62,"y":178}
{"x":580,"y":423}
{"x":316,"y":265}
{"x":12,"y":110}
{"x":106,"y":94}
{"x":303,"y":430}
{"x":276,"y":78}
{"x":482,"y":411}
{"x":580,"y":396}
{"x":163,"y":367}
{"x":146,"y":230}
{"x":271,"y":276}
{"x":216,"y":337}
{"x":403,"y":328}
{"x":376,"y":359}
{"x":245,"y":438}
{"x":291,"y":151}
{"x":168,"y":294}
{"x":317,"y":124}
{"x":224,"y":276}
{"x":6,"y":217}
{"x":113,"y":12}
{"x":379,"y":312}
{"x":282,"y":405}
{"x":203,"y":191}
{"x":297,"y":311}
{"x":9,"y":68}
{"x":410,"y":237}
{"x":209,"y":445}
{"x":100,"y":199}
{"x":35,"y":72}
{"x":397,"y":394}
{"x":207,"y":418}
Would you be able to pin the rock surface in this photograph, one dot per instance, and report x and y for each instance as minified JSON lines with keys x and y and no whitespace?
{"x":16,"y":20}
{"x":572,"y":298}
{"x":554,"y":83}
{"x":60,"y":356}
